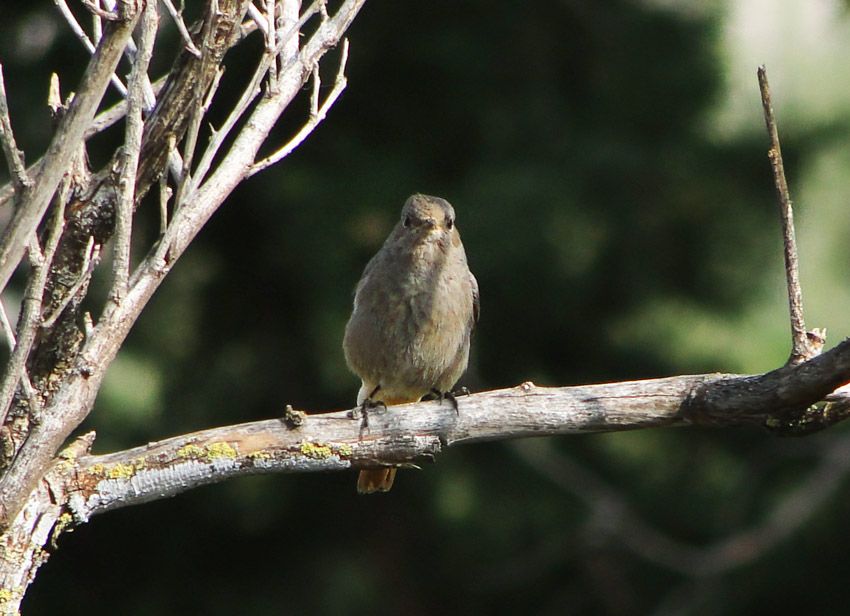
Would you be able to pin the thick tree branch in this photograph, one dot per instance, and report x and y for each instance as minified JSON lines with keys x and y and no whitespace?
{"x":405,"y":434}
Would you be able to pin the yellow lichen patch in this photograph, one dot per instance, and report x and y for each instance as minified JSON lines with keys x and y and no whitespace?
{"x":259,"y":455}
{"x":344,"y":450}
{"x":118,"y":470}
{"x":121,"y":471}
{"x":220,"y":450}
{"x":190,"y":451}
{"x":64,"y":464}
{"x":320,"y":451}
{"x":7,"y":595}
{"x":315,"y":450}
{"x":208,"y":453}
{"x":63,"y":523}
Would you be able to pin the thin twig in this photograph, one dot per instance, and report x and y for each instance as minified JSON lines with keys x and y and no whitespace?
{"x":218,"y":137}
{"x":130,"y":152}
{"x":110,"y":116}
{"x":94,"y":7}
{"x":14,"y":157}
{"x":65,"y":143}
{"x":9,"y":334}
{"x":78,"y":31}
{"x":200,"y":104}
{"x":317,"y":114}
{"x":54,"y":97}
{"x":271,"y":46}
{"x":181,"y":27}
{"x":801,"y":350}
{"x":30,"y":319}
{"x":97,"y":25}
{"x":165,"y":192}
{"x":258,"y":18}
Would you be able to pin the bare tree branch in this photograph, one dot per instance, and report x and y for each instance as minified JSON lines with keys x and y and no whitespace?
{"x":317,"y":114}
{"x":14,"y":157}
{"x":286,"y":44}
{"x":181,"y":28}
{"x":9,"y":334}
{"x":66,"y":141}
{"x":73,"y":400}
{"x":130,"y":151}
{"x":804,"y":345}
{"x":81,"y":35}
{"x":402,"y":435}
{"x":30,"y":319}
{"x":101,"y":122}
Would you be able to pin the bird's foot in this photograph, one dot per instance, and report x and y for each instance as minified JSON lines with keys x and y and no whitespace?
{"x":461,"y":391}
{"x":362,"y":411}
{"x":436,"y":394}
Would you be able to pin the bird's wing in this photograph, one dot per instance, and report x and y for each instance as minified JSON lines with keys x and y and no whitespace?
{"x":476,"y":299}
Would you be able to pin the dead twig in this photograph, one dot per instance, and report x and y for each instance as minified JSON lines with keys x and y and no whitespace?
{"x":14,"y":157}
{"x":9,"y":334}
{"x":130,"y":152}
{"x":182,"y":29}
{"x":249,"y":94}
{"x":803,"y":345}
{"x":81,"y":35}
{"x":317,"y":114}
{"x":66,"y":141}
{"x":30,"y":319}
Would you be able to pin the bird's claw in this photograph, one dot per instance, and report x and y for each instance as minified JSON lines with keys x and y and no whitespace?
{"x":362,"y":411}
{"x":448,"y":395}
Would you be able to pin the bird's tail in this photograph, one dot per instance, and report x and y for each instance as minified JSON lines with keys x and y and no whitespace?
{"x":373,"y":480}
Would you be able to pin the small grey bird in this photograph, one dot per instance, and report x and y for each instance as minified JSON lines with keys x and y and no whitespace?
{"x":414,"y":310}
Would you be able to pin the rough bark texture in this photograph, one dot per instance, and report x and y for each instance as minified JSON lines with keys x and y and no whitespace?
{"x":57,"y":383}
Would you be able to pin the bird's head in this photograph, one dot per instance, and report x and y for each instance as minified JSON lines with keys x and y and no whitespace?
{"x":427,"y":217}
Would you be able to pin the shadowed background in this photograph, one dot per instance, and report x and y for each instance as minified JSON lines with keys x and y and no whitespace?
{"x":607,"y":164}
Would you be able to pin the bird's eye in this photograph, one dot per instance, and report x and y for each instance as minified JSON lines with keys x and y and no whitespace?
{"x":449,"y":223}
{"x":407,"y":221}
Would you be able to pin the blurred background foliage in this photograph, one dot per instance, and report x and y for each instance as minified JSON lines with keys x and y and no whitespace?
{"x":607,"y":163}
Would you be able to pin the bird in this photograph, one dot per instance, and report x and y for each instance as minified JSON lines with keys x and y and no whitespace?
{"x":415,"y":307}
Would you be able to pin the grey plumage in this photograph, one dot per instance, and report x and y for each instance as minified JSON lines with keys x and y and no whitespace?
{"x":414,"y":309}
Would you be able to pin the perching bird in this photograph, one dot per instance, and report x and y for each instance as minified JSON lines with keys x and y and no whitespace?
{"x":414,"y":310}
